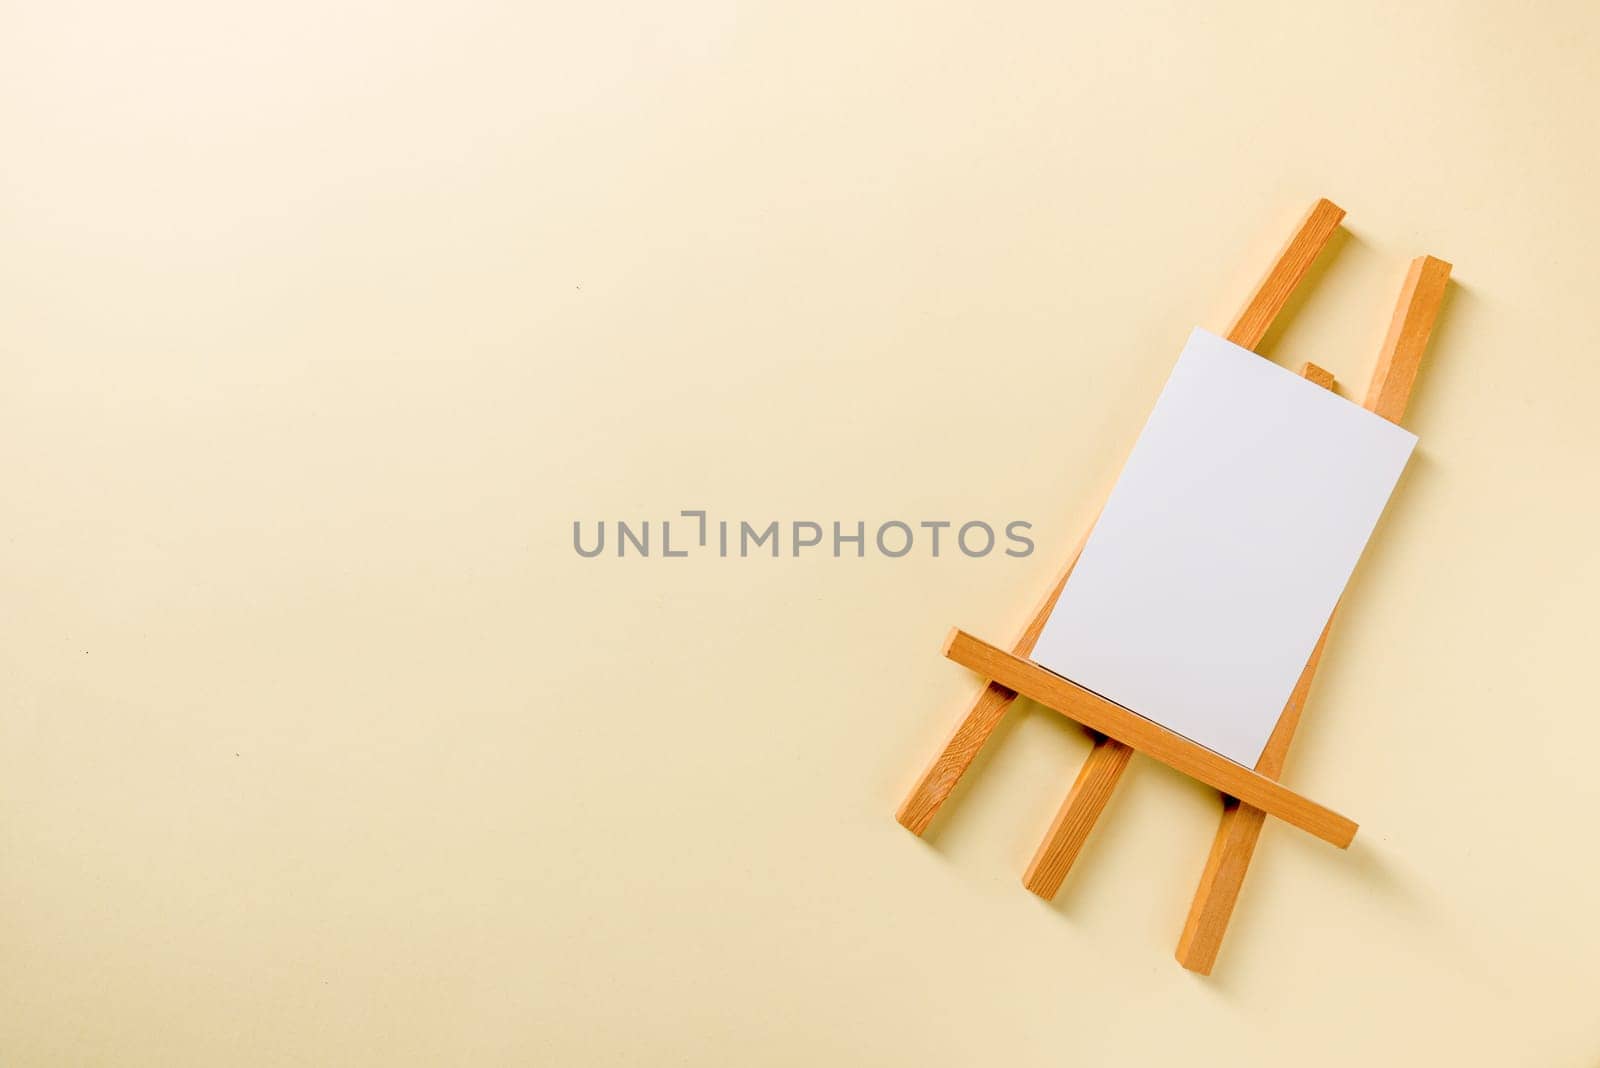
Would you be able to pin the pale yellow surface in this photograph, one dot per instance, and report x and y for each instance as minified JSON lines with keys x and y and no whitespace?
{"x":321,"y":323}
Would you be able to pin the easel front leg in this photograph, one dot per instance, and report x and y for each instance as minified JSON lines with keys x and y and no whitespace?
{"x":1084,"y":802}
{"x":1237,"y":834}
{"x":1235,"y":843}
{"x":941,"y":776}
{"x":922,"y":804}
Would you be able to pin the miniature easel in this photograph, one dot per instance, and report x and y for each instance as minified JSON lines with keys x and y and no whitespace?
{"x":1248,"y":796}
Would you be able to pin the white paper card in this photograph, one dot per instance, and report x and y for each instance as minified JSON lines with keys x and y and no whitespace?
{"x":1224,"y":547}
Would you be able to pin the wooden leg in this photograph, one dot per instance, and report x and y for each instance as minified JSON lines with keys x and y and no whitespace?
{"x":941,"y":776}
{"x":1220,"y":883}
{"x":1096,"y":780}
{"x":922,"y":804}
{"x":1235,"y":842}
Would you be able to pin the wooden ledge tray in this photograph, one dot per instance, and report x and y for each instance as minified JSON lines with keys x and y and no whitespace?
{"x":1148,"y":737}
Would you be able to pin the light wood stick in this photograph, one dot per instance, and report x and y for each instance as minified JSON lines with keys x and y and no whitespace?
{"x":1148,"y":737}
{"x":1237,"y":833}
{"x":922,"y":804}
{"x":941,"y":776}
{"x":1097,"y":778}
{"x":1102,"y":769}
{"x":1279,"y":285}
{"x":1317,"y":376}
{"x":1096,"y":781}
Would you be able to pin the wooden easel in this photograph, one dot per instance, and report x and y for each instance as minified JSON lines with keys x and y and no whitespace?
{"x":1248,"y":795}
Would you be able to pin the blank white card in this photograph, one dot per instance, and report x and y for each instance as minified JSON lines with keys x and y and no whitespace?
{"x":1224,"y":547}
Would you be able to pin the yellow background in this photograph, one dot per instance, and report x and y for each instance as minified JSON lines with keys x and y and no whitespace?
{"x":321,"y":322}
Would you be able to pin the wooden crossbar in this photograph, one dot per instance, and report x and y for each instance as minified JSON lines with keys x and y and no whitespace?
{"x":940,"y":777}
{"x":1148,"y":737}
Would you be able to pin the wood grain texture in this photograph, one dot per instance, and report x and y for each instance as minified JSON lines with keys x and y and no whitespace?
{"x":1240,"y":827}
{"x":1287,"y":272}
{"x":1096,"y":782}
{"x":940,"y":777}
{"x":1235,"y":841}
{"x":1148,"y":737}
{"x":934,"y":786}
{"x":1097,"y":779}
{"x":1318,"y":376}
{"x":1407,"y":339}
